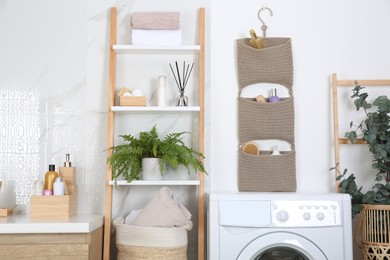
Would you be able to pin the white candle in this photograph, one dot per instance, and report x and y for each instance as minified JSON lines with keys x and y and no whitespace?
{"x":161,"y":91}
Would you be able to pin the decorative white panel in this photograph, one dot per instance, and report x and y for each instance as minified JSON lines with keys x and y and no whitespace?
{"x":19,"y":137}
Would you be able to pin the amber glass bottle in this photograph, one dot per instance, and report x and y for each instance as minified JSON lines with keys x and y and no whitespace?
{"x":50,"y":177}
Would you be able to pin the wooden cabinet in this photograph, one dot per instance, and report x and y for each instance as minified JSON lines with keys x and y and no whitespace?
{"x":65,"y":246}
{"x":113,"y":110}
{"x":79,"y":237}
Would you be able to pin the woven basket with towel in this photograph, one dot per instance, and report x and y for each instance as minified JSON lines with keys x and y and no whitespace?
{"x":159,"y":231}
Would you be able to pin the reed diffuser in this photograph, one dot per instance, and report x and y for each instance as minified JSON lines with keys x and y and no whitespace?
{"x":181,"y":78}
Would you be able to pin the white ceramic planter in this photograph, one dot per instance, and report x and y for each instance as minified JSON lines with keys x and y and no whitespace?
{"x":151,"y":169}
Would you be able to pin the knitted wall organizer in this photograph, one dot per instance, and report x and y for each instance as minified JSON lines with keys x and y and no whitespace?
{"x":261,"y":121}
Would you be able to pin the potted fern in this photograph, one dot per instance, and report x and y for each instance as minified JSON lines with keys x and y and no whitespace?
{"x":128,"y":159}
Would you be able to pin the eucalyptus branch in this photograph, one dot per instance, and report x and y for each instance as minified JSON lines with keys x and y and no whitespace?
{"x":375,"y":130}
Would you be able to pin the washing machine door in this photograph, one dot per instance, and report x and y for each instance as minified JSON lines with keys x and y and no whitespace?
{"x":281,"y":246}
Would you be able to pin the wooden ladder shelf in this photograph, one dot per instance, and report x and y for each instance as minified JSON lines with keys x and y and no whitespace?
{"x":336,"y":83}
{"x":199,"y":49}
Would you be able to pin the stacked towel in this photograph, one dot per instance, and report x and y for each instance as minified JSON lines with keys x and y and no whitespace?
{"x":155,"y":20}
{"x":156,"y":28}
{"x":164,"y":210}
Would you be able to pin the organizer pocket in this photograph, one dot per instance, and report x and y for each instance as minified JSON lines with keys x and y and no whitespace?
{"x":273,"y":64}
{"x":267,"y":173}
{"x":258,"y":120}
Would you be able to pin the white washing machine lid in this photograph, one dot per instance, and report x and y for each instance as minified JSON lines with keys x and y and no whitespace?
{"x":301,"y":245}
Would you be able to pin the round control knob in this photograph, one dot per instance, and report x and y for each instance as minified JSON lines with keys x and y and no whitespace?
{"x":320,"y":216}
{"x":282,"y":216}
{"x":306,"y":216}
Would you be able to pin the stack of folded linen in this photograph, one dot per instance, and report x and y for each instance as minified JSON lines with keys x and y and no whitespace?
{"x":156,"y":28}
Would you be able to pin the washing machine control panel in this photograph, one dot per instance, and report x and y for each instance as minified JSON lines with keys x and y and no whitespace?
{"x":306,"y":213}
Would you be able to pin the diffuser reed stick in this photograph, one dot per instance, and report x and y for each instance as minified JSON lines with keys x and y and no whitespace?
{"x":181,"y":78}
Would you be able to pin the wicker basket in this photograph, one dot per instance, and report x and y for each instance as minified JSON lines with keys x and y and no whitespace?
{"x":141,"y":243}
{"x":374,"y":224}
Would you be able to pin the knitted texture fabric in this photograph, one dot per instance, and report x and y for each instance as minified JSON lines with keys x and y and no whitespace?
{"x":272,"y":64}
{"x":266,"y":172}
{"x":265,"y":120}
{"x":262,"y":121}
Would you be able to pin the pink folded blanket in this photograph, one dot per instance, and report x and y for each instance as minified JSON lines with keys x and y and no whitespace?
{"x":164,"y":210}
{"x":155,"y":20}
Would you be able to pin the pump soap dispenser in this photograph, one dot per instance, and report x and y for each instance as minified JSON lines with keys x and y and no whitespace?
{"x":68,"y":175}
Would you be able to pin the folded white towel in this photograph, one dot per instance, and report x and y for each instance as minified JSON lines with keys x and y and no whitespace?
{"x":164,"y":210}
{"x":156,"y":37}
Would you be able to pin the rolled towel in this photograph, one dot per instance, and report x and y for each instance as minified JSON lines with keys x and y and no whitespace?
{"x":155,"y":20}
{"x":156,"y":37}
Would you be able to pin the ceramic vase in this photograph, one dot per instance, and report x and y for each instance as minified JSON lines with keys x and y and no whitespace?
{"x":151,"y":169}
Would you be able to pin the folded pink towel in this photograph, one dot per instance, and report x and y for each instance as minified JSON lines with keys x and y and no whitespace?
{"x":155,"y":20}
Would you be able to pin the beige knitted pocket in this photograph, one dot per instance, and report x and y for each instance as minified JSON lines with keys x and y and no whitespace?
{"x":272,"y":64}
{"x":265,"y":120}
{"x":267,"y":173}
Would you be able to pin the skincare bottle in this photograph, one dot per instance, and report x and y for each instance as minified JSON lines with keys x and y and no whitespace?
{"x":275,"y":150}
{"x":274,"y":97}
{"x":68,"y":175}
{"x":59,"y":187}
{"x":50,"y":177}
{"x":47,"y":192}
{"x":161,"y":91}
{"x":38,"y":187}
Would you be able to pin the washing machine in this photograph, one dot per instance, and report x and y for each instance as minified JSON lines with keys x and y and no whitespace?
{"x":279,"y":226}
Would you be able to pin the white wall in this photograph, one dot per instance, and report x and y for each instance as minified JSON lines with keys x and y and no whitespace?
{"x":350,"y":38}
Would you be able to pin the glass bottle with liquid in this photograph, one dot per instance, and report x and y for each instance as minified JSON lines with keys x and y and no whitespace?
{"x":50,"y":176}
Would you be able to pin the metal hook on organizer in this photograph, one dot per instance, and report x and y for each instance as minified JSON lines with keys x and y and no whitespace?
{"x":264,"y":27}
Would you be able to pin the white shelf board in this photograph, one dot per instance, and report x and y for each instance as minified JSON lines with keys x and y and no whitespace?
{"x":154,"y":109}
{"x":156,"y":183}
{"x":155,"y":49}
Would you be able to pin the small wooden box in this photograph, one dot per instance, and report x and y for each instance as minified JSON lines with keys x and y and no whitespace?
{"x":5,"y":212}
{"x":53,"y":207}
{"x":132,"y":101}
